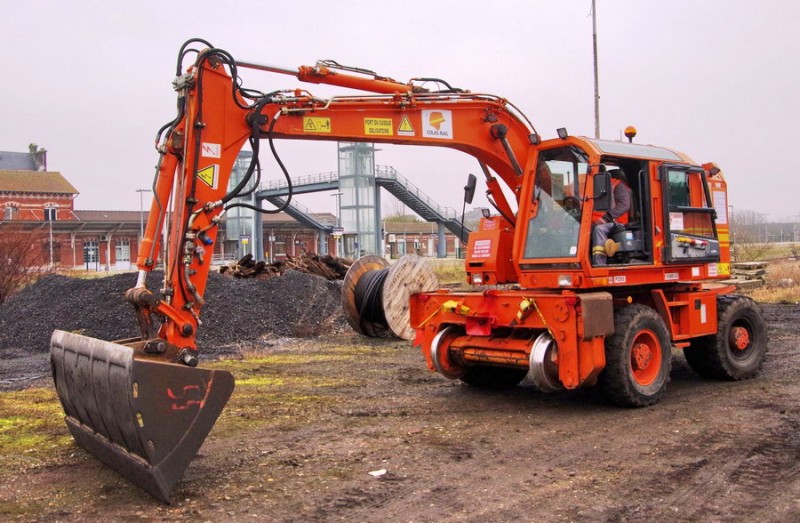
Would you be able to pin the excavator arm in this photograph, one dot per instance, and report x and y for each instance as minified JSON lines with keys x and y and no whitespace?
{"x":141,"y":405}
{"x":199,"y":152}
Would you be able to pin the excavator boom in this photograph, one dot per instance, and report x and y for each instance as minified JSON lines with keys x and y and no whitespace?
{"x":141,"y":405}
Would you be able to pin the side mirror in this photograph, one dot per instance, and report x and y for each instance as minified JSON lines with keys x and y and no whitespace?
{"x":602,"y":191}
{"x":469,"y":189}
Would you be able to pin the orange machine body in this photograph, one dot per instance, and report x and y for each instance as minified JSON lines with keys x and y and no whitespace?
{"x":682,"y":239}
{"x":542,"y":306}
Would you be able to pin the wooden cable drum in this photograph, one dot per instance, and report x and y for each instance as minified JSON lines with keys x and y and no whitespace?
{"x":375,"y":294}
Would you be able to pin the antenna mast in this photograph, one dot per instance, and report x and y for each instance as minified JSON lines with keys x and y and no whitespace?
{"x":596,"y":83}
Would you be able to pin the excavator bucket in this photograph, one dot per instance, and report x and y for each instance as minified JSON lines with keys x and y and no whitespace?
{"x":144,"y":418}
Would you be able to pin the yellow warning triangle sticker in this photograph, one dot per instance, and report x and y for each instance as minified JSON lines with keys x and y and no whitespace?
{"x":310,"y":124}
{"x":405,"y":127}
{"x":209,"y":175}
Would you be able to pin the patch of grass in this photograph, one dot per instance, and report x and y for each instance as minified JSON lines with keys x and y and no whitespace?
{"x":773,"y":295}
{"x":259,"y":381}
{"x":450,"y":271}
{"x":278,"y":390}
{"x":292,"y":382}
{"x":783,"y":284}
{"x":251,"y":407}
{"x":31,"y":427}
{"x":83,"y":274}
{"x":277,"y":359}
{"x":26,"y":509}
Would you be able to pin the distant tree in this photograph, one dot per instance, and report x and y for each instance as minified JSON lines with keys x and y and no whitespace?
{"x":745,"y":228}
{"x":398,"y":212}
{"x":20,"y":258}
{"x":402,"y":218}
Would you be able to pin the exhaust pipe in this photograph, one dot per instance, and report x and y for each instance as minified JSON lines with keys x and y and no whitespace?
{"x":143,"y":417}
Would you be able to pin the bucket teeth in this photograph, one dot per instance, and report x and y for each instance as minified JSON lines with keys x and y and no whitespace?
{"x":146,"y":419}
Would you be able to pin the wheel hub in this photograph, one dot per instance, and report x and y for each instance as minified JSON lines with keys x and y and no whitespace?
{"x":739,"y":338}
{"x":642,"y":356}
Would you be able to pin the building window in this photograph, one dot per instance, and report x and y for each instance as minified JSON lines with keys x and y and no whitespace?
{"x":123,"y":250}
{"x":10,"y":212}
{"x":50,"y":213}
{"x":91,"y":252}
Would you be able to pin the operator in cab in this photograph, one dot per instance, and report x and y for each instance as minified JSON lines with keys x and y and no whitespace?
{"x":607,"y":223}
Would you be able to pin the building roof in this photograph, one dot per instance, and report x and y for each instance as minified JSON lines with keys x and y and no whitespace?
{"x":419,"y":227}
{"x":282,"y":217}
{"x":136,"y":216}
{"x":110,"y":216}
{"x":17,"y":161}
{"x":35,"y":182}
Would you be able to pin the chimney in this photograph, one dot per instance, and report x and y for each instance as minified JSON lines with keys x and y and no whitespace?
{"x":39,"y":157}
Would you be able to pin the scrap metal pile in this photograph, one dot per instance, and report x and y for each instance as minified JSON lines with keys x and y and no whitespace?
{"x":327,"y":266}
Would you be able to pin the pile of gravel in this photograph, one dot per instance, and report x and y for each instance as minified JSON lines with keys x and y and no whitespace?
{"x":237,"y":311}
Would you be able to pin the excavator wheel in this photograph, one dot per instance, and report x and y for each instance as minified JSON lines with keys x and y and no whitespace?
{"x":638,"y":358}
{"x":142,"y":417}
{"x":738,"y":349}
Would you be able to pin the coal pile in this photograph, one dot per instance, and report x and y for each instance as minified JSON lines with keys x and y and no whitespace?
{"x":237,"y":311}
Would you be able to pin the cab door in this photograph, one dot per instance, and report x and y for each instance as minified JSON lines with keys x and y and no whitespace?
{"x":689,"y":216}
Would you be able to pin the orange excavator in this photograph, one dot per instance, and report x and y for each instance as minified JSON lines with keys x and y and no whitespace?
{"x":542,"y":310}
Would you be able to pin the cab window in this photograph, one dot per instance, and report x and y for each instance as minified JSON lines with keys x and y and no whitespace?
{"x":558,"y":193}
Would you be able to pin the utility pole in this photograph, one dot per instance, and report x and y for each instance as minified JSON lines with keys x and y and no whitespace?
{"x":338,"y":235}
{"x":50,"y":214}
{"x":596,"y":81}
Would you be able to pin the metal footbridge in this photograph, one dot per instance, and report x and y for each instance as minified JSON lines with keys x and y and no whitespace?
{"x":387,"y":177}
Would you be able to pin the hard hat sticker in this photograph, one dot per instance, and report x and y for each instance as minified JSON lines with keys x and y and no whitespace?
{"x":437,"y":124}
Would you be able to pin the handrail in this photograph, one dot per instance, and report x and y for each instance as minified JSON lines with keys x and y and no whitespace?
{"x":308,"y":179}
{"x":299,"y":207}
{"x":389,"y":172}
{"x":381,"y":171}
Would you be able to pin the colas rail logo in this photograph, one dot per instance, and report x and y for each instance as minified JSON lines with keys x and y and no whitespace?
{"x":436,"y":120}
{"x":437,"y":124}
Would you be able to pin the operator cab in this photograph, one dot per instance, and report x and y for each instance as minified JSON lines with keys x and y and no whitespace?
{"x":633,"y":243}
{"x":685,"y":220}
{"x":560,"y":197}
{"x":571,"y":181}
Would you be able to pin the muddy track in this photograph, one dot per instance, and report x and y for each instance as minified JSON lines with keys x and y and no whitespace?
{"x":300,"y":445}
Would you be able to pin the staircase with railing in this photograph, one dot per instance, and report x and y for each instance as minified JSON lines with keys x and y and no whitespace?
{"x":408,"y":193}
{"x":303,"y":215}
{"x":385,"y":176}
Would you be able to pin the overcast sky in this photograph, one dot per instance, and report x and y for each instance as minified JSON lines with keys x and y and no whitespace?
{"x":717,"y":79}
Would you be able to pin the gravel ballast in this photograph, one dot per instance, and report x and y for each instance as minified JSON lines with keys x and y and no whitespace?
{"x":237,"y":311}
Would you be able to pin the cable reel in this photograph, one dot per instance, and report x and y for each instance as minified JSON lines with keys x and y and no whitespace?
{"x":375,"y":294}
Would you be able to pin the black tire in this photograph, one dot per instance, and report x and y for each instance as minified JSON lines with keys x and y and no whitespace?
{"x":638,"y":358}
{"x":493,"y":377}
{"x":737,"y":350}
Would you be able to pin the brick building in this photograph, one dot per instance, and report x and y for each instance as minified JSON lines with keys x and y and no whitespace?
{"x":37,"y":200}
{"x":419,"y":238}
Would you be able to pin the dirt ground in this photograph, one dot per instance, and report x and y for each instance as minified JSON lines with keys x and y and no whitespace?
{"x":310,"y":420}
